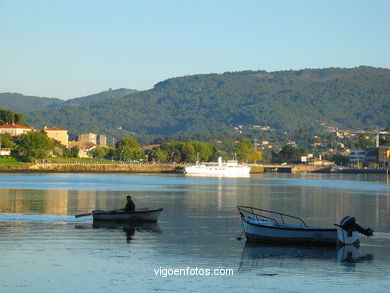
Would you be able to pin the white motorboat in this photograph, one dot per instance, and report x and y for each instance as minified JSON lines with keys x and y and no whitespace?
{"x":229,"y":168}
{"x":267,"y":226}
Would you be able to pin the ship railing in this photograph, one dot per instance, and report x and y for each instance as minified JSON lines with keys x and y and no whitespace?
{"x":261,"y":214}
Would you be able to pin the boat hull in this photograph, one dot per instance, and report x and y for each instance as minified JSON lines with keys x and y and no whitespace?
{"x":125,"y":216}
{"x":297,"y":235}
{"x":221,"y":171}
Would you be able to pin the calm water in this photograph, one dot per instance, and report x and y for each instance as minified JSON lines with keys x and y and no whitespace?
{"x":43,"y":248}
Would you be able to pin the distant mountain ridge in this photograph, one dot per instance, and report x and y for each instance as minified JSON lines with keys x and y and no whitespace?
{"x":21,"y":103}
{"x":214,"y":103}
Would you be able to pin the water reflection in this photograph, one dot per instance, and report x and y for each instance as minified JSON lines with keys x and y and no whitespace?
{"x":255,"y":253}
{"x":129,"y":229}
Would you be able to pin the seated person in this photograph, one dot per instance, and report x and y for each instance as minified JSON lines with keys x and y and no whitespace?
{"x":130,"y":206}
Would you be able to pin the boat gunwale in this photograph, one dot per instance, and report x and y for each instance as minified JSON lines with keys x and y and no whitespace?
{"x":310,"y":242}
{"x":126,"y":212}
{"x":298,"y":228}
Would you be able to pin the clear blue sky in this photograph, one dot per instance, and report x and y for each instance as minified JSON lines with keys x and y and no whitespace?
{"x":71,"y":48}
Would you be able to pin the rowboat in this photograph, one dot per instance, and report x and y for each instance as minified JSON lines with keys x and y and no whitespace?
{"x":268,"y":226}
{"x":121,"y":215}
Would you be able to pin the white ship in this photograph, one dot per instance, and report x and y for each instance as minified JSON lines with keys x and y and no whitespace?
{"x":229,"y":168}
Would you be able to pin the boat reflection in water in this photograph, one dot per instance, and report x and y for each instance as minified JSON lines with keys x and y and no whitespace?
{"x":255,"y":252}
{"x":130,"y":228}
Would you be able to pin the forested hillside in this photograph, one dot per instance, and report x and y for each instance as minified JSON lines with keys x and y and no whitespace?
{"x":21,"y":103}
{"x":284,"y":100}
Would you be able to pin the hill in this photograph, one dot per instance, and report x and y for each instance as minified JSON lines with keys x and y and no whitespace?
{"x":284,"y":100}
{"x":106,"y":95}
{"x":20,"y":103}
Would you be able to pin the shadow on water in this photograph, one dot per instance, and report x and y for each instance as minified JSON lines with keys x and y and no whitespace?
{"x":130,"y":229}
{"x":255,"y":253}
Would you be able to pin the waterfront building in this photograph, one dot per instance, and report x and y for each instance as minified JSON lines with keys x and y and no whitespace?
{"x":367,"y":156}
{"x":384,"y":156}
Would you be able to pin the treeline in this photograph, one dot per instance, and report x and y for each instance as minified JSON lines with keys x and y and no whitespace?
{"x":37,"y":145}
{"x":128,"y":149}
{"x":7,"y":116}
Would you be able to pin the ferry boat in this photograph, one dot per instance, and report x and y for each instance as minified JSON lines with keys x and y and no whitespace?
{"x":229,"y":168}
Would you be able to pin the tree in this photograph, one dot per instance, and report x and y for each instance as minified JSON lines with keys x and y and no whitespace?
{"x":74,"y":152}
{"x":100,"y":152}
{"x":288,"y":154}
{"x":188,"y":152}
{"x":246,"y":152}
{"x":160,"y":155}
{"x":129,"y":149}
{"x":6,"y":141}
{"x":33,"y":145}
{"x":177,"y":151}
{"x":338,"y":159}
{"x":364,"y":142}
{"x":7,"y":116}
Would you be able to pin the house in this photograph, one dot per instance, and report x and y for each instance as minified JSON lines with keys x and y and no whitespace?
{"x":14,"y":129}
{"x":58,"y":134}
{"x":87,"y":137}
{"x":5,"y":151}
{"x":97,"y":139}
{"x":101,"y":140}
{"x":85,"y":148}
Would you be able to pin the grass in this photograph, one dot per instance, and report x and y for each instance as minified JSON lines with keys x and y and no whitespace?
{"x":9,"y":163}
{"x":83,"y":161}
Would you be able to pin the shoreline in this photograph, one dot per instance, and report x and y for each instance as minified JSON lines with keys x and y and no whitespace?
{"x":92,"y":168}
{"x":139,"y":168}
{"x":163,"y":168}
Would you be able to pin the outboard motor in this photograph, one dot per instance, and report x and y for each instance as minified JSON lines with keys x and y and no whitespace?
{"x":349,"y":224}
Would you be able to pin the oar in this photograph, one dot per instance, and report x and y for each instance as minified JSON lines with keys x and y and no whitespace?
{"x":82,"y":215}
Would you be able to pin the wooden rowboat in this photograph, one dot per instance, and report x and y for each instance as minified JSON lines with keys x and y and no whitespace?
{"x":121,"y":215}
{"x":268,"y":226}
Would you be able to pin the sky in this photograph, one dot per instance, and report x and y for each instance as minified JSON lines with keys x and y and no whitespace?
{"x":72,"y":48}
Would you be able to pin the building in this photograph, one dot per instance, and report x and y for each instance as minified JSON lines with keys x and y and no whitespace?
{"x":97,"y":139}
{"x":101,"y":140}
{"x":58,"y":134}
{"x":384,"y":156}
{"x":5,"y":151}
{"x":14,"y":129}
{"x":87,"y":137}
{"x":85,"y":148}
{"x":367,"y":156}
{"x":357,"y":156}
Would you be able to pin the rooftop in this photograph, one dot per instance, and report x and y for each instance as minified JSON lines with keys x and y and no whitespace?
{"x":54,"y":128}
{"x":13,"y":125}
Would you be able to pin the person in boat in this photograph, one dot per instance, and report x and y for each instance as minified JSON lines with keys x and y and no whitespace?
{"x":130,"y":206}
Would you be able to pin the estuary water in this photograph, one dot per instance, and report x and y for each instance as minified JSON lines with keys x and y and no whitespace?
{"x":193,"y":247}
